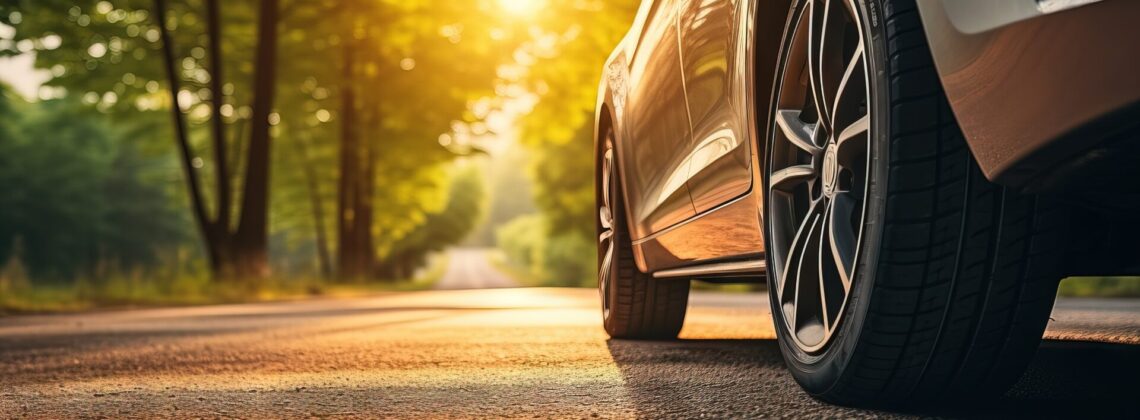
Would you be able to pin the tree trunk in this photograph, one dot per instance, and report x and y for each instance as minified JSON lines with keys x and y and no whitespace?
{"x":252,"y":239}
{"x":348,"y":261}
{"x":242,"y":254}
{"x":365,"y":259}
{"x":208,"y":228}
{"x":324,"y":264}
{"x":238,"y":148}
{"x":217,"y":98}
{"x":367,"y":188}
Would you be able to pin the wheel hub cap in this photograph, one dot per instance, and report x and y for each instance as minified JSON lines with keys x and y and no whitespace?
{"x":830,"y":171}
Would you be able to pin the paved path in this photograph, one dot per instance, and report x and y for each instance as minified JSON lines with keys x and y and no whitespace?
{"x":469,"y":268}
{"x":475,"y":353}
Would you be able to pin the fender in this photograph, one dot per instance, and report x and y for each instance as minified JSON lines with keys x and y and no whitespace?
{"x":759,"y":31}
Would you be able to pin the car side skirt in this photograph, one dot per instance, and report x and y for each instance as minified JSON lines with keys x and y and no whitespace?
{"x":731,"y":232}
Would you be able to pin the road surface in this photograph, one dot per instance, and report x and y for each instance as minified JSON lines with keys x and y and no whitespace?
{"x":484,"y":353}
{"x":469,"y":268}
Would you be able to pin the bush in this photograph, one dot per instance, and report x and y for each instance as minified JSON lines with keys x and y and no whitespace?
{"x":522,"y":240}
{"x":1101,"y":287}
{"x":569,"y":260}
{"x":562,"y":259}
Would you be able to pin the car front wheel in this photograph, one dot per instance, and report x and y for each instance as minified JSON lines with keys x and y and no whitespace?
{"x":898,"y":273}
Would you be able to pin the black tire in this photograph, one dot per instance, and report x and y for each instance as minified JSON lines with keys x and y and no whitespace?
{"x":957,"y":276}
{"x":634,"y":304}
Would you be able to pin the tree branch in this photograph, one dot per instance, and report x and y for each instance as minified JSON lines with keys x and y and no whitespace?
{"x":217,"y":98}
{"x":187,"y":155}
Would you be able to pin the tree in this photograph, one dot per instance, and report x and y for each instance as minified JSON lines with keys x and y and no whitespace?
{"x":117,"y":54}
{"x":78,"y":200}
{"x":466,"y":203}
{"x":406,"y":73}
{"x":414,"y":71}
{"x":562,"y":67}
{"x":240,"y":253}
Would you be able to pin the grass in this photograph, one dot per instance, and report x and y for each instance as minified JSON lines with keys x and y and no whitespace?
{"x":135,"y":291}
{"x":1100,"y":287}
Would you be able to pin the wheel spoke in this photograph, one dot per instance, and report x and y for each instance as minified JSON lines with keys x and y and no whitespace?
{"x":805,"y":247}
{"x":605,"y":271}
{"x":799,"y":133}
{"x":607,"y":260}
{"x":823,"y":232}
{"x":794,"y":260}
{"x":605,"y":213}
{"x":788,"y":178}
{"x":854,"y":64}
{"x":816,"y":35}
{"x":860,"y":126}
{"x":607,"y":235}
{"x":841,"y":237}
{"x":607,"y":174}
{"x":814,"y":232}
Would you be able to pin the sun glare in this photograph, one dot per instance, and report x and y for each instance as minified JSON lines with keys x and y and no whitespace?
{"x":521,"y":7}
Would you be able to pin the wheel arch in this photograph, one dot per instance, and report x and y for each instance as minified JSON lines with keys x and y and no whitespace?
{"x":606,"y":119}
{"x":770,"y":18}
{"x":603,"y":121}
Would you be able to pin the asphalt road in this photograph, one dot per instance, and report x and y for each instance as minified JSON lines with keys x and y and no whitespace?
{"x":483,"y":353}
{"x":469,"y":268}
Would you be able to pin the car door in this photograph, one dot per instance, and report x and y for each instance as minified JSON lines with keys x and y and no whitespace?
{"x":654,"y":160}
{"x":720,"y":159}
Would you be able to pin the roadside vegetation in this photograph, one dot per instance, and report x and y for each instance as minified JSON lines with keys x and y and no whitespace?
{"x":186,"y":151}
{"x":1101,"y":287}
{"x":19,"y":295}
{"x":199,"y":151}
{"x":556,"y":244}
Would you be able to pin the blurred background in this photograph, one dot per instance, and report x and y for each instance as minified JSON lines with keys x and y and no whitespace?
{"x":199,"y":151}
{"x":169,"y":151}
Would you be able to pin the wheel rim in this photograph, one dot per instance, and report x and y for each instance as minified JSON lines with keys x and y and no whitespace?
{"x":607,"y":249}
{"x":818,"y":170}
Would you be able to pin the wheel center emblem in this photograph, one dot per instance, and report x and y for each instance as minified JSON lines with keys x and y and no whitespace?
{"x":830,"y":170}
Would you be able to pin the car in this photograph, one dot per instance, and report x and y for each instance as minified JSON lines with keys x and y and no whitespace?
{"x":911,"y":179}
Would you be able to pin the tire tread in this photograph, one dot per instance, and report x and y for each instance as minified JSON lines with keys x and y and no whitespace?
{"x":967,"y":270}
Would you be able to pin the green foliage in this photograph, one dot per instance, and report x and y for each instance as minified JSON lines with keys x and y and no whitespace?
{"x":570,"y":260}
{"x":466,"y":203}
{"x":509,"y":191}
{"x":420,"y":64}
{"x":563,"y":67}
{"x":549,"y":260}
{"x":78,"y":198}
{"x":522,"y":240}
{"x":1101,"y":287}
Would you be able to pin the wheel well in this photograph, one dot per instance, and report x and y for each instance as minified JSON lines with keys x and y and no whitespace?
{"x":605,"y":122}
{"x":771,"y":21}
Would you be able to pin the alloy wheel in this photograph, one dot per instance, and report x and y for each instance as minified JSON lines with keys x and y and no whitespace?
{"x":818,"y":170}
{"x":607,"y":248}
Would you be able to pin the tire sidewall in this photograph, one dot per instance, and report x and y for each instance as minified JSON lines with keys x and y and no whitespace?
{"x":820,"y":372}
